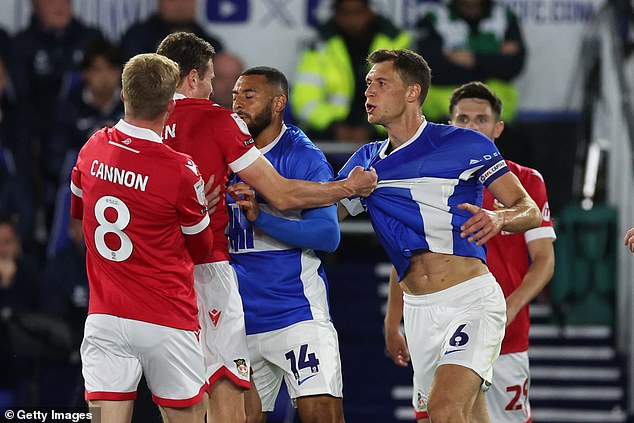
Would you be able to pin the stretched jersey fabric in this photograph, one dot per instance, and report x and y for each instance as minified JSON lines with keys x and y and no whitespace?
{"x":507,"y":254}
{"x":219,"y":141}
{"x":137,"y":198}
{"x":280,"y":284}
{"x":420,"y":185}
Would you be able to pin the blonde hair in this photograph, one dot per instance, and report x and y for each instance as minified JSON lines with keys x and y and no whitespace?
{"x":148,"y":83}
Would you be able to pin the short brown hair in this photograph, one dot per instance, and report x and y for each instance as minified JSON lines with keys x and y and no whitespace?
{"x":476,"y":89}
{"x":148,"y":83}
{"x":188,"y":50}
{"x":411,"y":66}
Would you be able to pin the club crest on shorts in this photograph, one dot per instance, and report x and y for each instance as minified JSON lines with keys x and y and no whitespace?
{"x":241,"y":365}
{"x":214,"y":315}
{"x":421,"y":401}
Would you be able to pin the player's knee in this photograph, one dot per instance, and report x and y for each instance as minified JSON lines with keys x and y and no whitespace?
{"x":445,"y":412}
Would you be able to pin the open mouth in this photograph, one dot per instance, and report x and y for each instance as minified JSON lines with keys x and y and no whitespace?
{"x":369,"y":108}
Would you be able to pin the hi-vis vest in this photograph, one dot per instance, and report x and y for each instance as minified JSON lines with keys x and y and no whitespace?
{"x":325,"y":83}
{"x":456,"y":34}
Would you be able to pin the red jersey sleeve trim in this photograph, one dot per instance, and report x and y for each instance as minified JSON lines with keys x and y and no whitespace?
{"x":181,"y":403}
{"x":245,"y":160}
{"x":110,"y":396}
{"x":197,"y":228}
{"x":539,"y":233}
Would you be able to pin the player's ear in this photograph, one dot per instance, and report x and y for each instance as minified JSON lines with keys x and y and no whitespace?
{"x":192,"y":78}
{"x":280,"y":103}
{"x":499,"y":128}
{"x":413,"y":93}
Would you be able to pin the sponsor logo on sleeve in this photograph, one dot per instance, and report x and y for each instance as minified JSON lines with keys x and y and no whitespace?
{"x":248,"y":142}
{"x":199,"y":188}
{"x":546,"y":212}
{"x":491,"y":171}
{"x":241,"y":124}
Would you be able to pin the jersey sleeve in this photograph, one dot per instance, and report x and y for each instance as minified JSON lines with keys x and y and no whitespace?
{"x":534,"y":184}
{"x":361,"y":157}
{"x":491,"y":164}
{"x":191,"y":203}
{"x":238,"y":145}
{"x":76,"y":203}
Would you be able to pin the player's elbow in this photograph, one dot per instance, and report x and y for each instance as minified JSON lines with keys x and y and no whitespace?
{"x":332,"y":239}
{"x":281,"y":202}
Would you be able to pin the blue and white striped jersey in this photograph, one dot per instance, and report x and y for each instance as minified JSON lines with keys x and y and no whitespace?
{"x":420,"y":185}
{"x":280,"y":284}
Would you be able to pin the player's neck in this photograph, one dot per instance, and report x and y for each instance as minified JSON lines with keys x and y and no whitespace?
{"x":401,"y":130}
{"x":268,"y":134}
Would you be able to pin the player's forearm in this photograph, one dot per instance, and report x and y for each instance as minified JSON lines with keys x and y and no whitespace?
{"x":318,"y":231}
{"x":394,"y":312}
{"x":298,"y":194}
{"x":521,"y":216}
{"x":539,"y":274}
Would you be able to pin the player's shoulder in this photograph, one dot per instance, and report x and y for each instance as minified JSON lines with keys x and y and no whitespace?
{"x":455,"y":137}
{"x":524,"y":173}
{"x":294,"y":139}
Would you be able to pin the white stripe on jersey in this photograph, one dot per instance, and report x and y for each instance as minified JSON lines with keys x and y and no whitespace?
{"x":197,"y":228}
{"x":314,"y":285}
{"x":76,"y":190}
{"x":432,"y":196}
{"x":124,"y":147}
{"x":262,"y":241}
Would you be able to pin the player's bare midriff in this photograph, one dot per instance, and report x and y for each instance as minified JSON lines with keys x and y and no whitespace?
{"x":432,"y":272}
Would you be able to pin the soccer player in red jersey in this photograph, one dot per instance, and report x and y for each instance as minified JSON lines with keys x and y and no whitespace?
{"x":522,"y":263}
{"x":220,"y":142}
{"x":145,"y":220}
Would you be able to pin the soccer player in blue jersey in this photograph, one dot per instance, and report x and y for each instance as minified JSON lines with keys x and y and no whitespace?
{"x":282,"y":282}
{"x":426,"y":214}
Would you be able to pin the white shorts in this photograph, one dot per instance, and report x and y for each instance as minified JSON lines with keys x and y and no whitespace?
{"x":461,"y":325}
{"x":115,"y":351}
{"x":305,"y":354}
{"x":222,"y":322}
{"x":507,"y":399}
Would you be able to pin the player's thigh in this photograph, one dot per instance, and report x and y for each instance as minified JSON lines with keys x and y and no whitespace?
{"x":192,"y":414}
{"x":508,"y":398}
{"x":253,"y":405}
{"x":111,"y":369}
{"x":320,"y":409}
{"x":267,"y":376}
{"x":462,"y":325}
{"x":113,"y":411}
{"x":454,"y":391}
{"x":308,"y":354}
{"x":172,"y":362}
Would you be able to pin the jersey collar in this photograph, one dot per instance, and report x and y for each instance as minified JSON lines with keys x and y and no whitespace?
{"x":179,"y":96}
{"x":269,"y":147}
{"x":137,"y":132}
{"x":419,"y":131}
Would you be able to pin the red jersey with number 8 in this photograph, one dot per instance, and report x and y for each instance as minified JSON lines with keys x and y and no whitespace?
{"x":137,"y":199}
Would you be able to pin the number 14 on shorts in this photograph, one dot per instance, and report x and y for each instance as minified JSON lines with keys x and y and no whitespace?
{"x":302,"y":361}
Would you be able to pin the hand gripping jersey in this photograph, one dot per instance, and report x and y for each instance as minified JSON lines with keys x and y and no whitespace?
{"x":137,"y":197}
{"x":508,"y":257}
{"x":280,"y":285}
{"x":420,"y":185}
{"x":219,"y":141}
